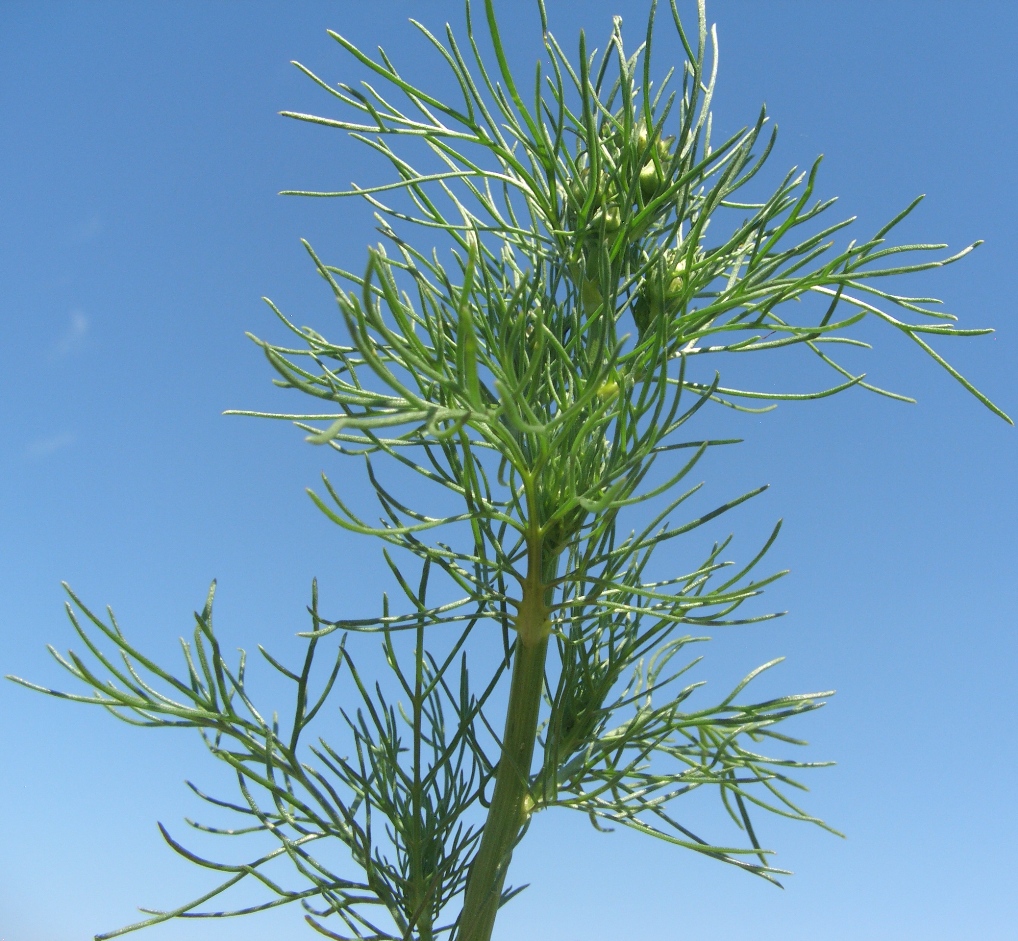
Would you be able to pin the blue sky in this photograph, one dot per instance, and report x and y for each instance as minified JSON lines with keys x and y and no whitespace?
{"x":139,"y":225}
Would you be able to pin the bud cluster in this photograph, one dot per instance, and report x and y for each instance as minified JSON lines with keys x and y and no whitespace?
{"x":634,"y":168}
{"x":665,"y":289}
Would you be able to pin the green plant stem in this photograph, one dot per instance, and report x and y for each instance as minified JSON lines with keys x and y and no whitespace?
{"x":510,"y":801}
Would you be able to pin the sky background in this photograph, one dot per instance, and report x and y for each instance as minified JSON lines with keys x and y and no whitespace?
{"x":140,"y":159}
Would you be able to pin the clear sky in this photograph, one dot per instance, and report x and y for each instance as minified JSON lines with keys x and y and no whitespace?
{"x":140,"y":155}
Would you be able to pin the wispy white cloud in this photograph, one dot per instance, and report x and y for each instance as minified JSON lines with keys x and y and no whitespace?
{"x":44,"y":447}
{"x":71,"y":339}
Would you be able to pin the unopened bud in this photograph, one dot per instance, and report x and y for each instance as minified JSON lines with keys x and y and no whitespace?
{"x":661,"y":295}
{"x":653,"y":176}
{"x":609,"y":218}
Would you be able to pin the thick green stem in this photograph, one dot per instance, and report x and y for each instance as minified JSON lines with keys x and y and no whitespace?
{"x":510,"y":801}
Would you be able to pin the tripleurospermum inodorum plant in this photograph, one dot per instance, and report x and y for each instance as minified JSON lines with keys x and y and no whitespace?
{"x":562,"y":264}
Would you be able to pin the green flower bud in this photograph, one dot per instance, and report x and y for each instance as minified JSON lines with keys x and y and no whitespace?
{"x":653,"y":176}
{"x":609,"y":389}
{"x":576,"y":189}
{"x":609,"y":218}
{"x":661,"y":295}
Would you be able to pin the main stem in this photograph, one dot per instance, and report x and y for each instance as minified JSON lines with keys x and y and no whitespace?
{"x":510,"y":800}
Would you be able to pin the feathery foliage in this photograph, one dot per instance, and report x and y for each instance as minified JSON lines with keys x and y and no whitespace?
{"x":600,"y":253}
